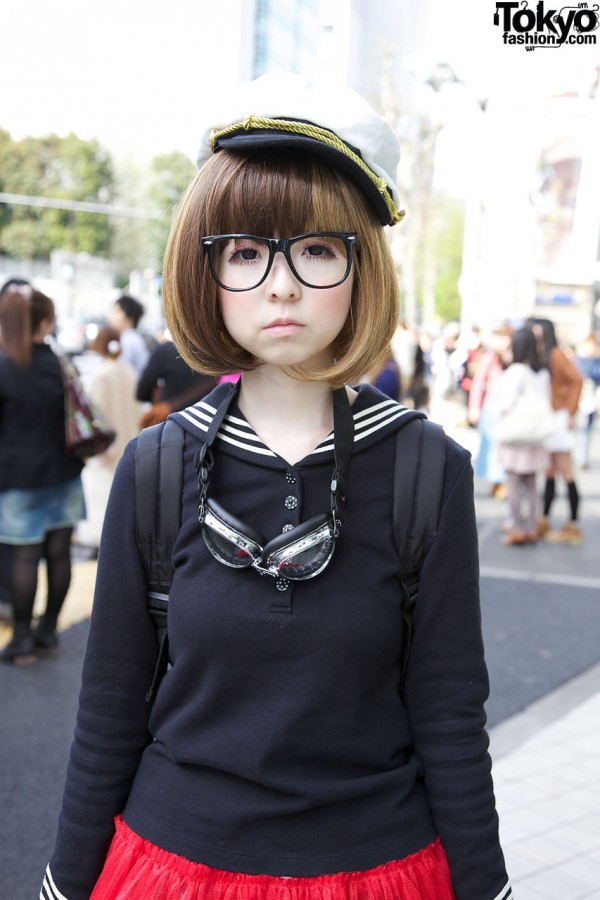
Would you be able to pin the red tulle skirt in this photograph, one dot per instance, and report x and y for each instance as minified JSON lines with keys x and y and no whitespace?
{"x":135,"y":869}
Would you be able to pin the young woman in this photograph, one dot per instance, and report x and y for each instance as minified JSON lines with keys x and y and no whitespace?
{"x":41,"y":497}
{"x":111,"y":386}
{"x":522,"y":461}
{"x":566,"y":383}
{"x":280,"y":757}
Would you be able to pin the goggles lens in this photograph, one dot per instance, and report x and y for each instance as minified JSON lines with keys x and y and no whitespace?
{"x":240,"y":262}
{"x":226,"y":542}
{"x":297,"y":555}
{"x":305,"y":557}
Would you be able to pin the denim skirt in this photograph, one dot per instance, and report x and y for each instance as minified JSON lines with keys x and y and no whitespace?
{"x":27,"y":514}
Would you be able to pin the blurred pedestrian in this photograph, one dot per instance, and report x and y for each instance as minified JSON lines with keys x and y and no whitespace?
{"x":588,"y":363}
{"x":446,"y":363}
{"x":566,"y":384}
{"x":5,"y":606}
{"x":125,"y":316}
{"x":522,"y":460}
{"x":41,"y":495}
{"x":112,"y":387}
{"x":482,"y":404}
{"x":472,"y":349}
{"x":417,"y":394}
{"x":404,"y":347}
{"x":289,"y":752}
{"x":169,"y":384}
{"x":387,"y":379}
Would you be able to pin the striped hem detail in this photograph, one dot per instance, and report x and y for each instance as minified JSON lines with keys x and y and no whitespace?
{"x":49,"y":890}
{"x":505,"y":894}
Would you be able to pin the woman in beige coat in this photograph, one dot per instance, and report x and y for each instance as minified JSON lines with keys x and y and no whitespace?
{"x":112,"y":387}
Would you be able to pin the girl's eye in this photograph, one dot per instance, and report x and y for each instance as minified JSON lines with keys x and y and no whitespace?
{"x":246,"y":253}
{"x":319,"y":251}
{"x":242,"y":253}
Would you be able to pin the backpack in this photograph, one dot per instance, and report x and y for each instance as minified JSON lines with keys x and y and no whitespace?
{"x":418,"y":480}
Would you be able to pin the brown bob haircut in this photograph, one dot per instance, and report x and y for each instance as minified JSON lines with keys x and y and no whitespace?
{"x":275,"y":194}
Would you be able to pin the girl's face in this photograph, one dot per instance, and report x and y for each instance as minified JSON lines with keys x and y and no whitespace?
{"x":282,"y":322}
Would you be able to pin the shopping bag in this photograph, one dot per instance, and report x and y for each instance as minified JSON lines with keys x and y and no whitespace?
{"x":86,"y":431}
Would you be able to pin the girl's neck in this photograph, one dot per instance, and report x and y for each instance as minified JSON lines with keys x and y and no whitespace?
{"x":291,"y":417}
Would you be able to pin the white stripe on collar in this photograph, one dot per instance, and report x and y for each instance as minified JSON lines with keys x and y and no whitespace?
{"x":506,"y":893}
{"x":49,"y":890}
{"x":362,"y":429}
{"x":226,"y":432}
{"x":239,"y":432}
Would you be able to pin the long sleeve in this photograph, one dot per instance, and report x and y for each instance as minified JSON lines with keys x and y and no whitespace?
{"x":152,"y":372}
{"x":112,"y":722}
{"x":445,"y":690}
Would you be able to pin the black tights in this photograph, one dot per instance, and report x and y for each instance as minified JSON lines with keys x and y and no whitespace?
{"x":25,"y":559}
{"x":572,"y":493}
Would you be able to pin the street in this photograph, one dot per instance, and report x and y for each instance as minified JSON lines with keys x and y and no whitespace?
{"x":541,"y":620}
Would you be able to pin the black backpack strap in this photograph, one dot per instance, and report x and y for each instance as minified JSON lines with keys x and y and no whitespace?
{"x":418,"y":482}
{"x":158,"y":487}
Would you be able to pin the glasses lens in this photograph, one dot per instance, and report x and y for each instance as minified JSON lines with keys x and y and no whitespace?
{"x":320,"y":260}
{"x":240,"y":262}
{"x":306,"y":556}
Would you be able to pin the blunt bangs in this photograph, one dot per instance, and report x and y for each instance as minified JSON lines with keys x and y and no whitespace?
{"x":279,"y":195}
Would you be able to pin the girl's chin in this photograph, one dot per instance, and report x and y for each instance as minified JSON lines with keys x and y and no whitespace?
{"x":308,"y":362}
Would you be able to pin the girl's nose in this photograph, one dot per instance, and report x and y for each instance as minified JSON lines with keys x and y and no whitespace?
{"x":282,"y":283}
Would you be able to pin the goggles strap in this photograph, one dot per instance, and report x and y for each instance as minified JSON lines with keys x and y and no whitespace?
{"x":343,"y":435}
{"x":203,"y":459}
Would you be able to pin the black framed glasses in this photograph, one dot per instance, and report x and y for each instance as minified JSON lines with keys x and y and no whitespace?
{"x":241,"y":262}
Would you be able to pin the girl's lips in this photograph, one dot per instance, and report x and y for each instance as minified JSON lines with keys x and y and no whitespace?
{"x":282,"y":327}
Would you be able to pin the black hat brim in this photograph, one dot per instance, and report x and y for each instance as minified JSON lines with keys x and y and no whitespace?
{"x":257,"y":139}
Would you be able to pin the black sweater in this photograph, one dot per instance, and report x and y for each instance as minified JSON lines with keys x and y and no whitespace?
{"x":278,"y":742}
{"x":178,"y":384}
{"x":32,"y":423}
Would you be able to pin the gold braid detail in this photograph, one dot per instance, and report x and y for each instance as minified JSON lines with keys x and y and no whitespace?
{"x":318,"y":134}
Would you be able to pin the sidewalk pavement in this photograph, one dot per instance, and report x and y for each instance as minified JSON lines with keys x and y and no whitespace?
{"x":548,"y":793}
{"x":546,"y":759}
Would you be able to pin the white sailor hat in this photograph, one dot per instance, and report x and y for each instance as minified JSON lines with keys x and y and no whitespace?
{"x":285,"y":111}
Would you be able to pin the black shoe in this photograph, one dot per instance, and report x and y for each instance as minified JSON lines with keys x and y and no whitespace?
{"x":45,"y":638}
{"x":21,"y":649}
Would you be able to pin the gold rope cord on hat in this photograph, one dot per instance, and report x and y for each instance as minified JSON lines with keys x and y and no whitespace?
{"x":319,"y":134}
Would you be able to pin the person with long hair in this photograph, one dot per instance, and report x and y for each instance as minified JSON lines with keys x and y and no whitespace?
{"x":41,"y":495}
{"x":566,"y":384}
{"x":522,"y":461}
{"x":285,"y":755}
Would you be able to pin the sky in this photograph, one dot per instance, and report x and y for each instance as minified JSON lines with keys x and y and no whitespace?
{"x":132,"y":73}
{"x":463,"y":32}
{"x":138,"y":74}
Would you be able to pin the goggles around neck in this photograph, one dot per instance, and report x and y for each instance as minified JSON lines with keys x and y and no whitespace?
{"x":299,"y":553}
